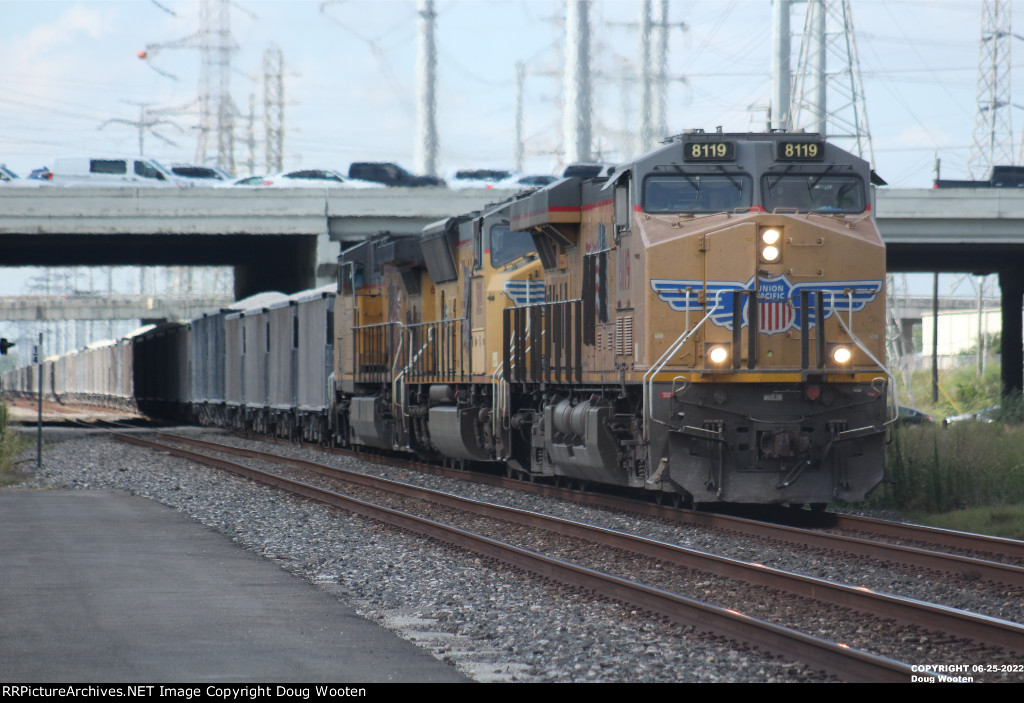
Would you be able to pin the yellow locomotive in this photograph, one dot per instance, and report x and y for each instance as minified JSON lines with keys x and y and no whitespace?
{"x":707,"y":321}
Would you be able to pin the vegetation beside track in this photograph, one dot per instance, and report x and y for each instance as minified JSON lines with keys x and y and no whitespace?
{"x":1002,"y":521}
{"x":970,"y":475}
{"x":967,"y":476}
{"x":12,"y":444}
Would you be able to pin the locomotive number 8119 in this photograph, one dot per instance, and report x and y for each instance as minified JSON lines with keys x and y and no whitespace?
{"x":707,"y":321}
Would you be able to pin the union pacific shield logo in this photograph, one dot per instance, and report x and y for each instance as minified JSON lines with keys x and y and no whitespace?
{"x":778,"y":300}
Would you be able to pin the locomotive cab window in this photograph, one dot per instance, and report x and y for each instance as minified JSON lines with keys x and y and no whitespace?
{"x":351,"y":277}
{"x":507,"y":246}
{"x":813,"y":192}
{"x":697,"y":193}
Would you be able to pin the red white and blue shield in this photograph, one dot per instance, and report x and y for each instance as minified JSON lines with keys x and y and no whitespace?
{"x":774,"y":305}
{"x":775,"y":316}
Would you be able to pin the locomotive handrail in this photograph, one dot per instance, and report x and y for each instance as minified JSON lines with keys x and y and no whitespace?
{"x":501,"y":403}
{"x":375,"y":325}
{"x":428,"y":323}
{"x":856,"y":340}
{"x":398,"y":380}
{"x":398,"y":383}
{"x":648,"y":380}
{"x":361,"y":341}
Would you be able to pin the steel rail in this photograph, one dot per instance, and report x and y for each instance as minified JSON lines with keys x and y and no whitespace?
{"x":1001,"y":546}
{"x":943,"y":562}
{"x":847,"y":663}
{"x":983,"y":629}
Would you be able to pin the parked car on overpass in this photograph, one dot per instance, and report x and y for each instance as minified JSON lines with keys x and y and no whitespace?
{"x":195,"y":175}
{"x":111,"y":171}
{"x":390,"y":175}
{"x":244,"y":181}
{"x":533,"y":181}
{"x":478,"y":178}
{"x":589,"y":169}
{"x":315,"y":178}
{"x":9,"y":178}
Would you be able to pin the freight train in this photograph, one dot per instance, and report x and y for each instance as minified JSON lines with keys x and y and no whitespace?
{"x":706,"y":322}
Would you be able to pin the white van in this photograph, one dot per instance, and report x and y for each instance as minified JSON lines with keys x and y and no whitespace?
{"x":127,"y":171}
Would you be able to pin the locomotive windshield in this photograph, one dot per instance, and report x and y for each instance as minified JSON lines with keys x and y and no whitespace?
{"x":807,"y":192}
{"x":697,"y":193}
{"x":507,"y":246}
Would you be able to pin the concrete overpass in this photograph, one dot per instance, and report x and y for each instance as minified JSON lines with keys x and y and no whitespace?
{"x":970,"y":230}
{"x":27,"y":308}
{"x":289,"y":239}
{"x":285,"y":239}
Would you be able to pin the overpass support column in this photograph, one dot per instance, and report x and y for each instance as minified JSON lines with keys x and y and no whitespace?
{"x":1011,"y":281}
{"x":327,"y":252}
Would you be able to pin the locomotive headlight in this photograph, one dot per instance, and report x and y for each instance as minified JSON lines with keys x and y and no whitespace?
{"x":842,"y":355}
{"x":718,"y":355}
{"x":771,"y":244}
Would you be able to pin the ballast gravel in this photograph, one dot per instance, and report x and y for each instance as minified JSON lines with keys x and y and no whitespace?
{"x":490,"y":621}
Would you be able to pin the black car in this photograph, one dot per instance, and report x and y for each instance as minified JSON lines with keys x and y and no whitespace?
{"x":390,"y":175}
{"x":912,"y":416}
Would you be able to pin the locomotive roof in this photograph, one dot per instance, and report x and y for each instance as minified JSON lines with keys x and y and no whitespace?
{"x":755,"y":152}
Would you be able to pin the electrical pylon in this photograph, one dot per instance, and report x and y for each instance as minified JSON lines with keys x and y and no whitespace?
{"x":426,"y":147}
{"x":216,"y":109}
{"x":828,"y":95}
{"x":992,"y":139}
{"x":273,"y":109}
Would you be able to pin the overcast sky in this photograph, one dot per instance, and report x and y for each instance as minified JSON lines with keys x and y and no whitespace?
{"x":350,"y":84}
{"x":69,"y":67}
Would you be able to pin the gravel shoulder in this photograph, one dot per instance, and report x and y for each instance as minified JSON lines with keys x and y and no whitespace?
{"x":491,"y":622}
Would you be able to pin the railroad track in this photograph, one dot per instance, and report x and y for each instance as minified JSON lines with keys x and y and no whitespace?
{"x":983,"y":557}
{"x":848,"y":663}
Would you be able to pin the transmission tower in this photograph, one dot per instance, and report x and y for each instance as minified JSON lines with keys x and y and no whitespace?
{"x":576,"y":118}
{"x":250,"y":136}
{"x":425,"y":154}
{"x":148,"y":119}
{"x":215,"y":83}
{"x":273,"y":109}
{"x":216,"y":110}
{"x":645,"y":134}
{"x":660,"y":97}
{"x":992,"y":141}
{"x":653,"y":79}
{"x":831,"y":100}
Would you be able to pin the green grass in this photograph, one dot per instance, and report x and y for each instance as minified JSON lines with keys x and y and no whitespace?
{"x":966,"y":465}
{"x":1002,"y":521}
{"x":12,"y":445}
{"x":968,"y":476}
{"x":960,"y":391}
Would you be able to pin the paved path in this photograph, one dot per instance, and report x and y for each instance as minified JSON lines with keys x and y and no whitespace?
{"x":100,"y":586}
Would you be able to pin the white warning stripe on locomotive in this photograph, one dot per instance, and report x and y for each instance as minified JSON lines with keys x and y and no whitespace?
{"x":524,"y":292}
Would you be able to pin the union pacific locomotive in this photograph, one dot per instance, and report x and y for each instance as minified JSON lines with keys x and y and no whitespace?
{"x":705,"y":322}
